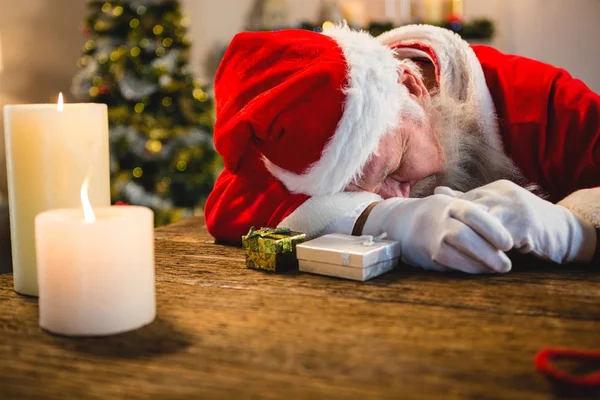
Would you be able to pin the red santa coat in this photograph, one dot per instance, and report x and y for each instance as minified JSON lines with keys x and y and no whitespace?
{"x":547,"y":122}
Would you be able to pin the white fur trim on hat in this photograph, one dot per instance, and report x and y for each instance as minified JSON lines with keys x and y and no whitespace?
{"x":373,"y":103}
{"x":461,"y":75}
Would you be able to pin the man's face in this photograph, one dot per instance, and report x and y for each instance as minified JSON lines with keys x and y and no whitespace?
{"x":407,"y":155}
{"x":440,"y":142}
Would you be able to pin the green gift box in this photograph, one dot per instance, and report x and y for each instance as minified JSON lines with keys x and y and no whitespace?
{"x":272,"y":249}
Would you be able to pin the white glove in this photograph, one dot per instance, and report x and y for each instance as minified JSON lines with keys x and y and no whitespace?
{"x":547,"y":230}
{"x":443,"y":233}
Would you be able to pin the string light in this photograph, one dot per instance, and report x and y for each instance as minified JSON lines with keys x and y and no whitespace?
{"x":167,"y":42}
{"x":197,"y":93}
{"x":185,"y":22}
{"x":103,"y":58}
{"x":138,"y":172}
{"x":181,"y":165}
{"x":328,"y":25}
{"x":138,"y":108}
{"x":117,"y":11}
{"x":154,"y":146}
{"x":161,"y":51}
{"x":167,"y":101}
{"x":89,"y":45}
{"x":101,"y":25}
{"x":106,"y":7}
{"x":93,"y":91}
{"x":158,"y":29}
{"x":114,"y":56}
{"x":141,"y":10}
{"x":97,"y":81}
{"x":135,"y":52}
{"x":134,"y":23}
{"x":200,"y":95}
{"x":144,"y":43}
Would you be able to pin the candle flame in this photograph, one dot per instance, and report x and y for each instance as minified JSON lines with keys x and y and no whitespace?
{"x":88,"y":212}
{"x":61,"y":104}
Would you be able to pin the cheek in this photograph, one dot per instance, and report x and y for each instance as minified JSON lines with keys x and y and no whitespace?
{"x":380,"y":165}
{"x":423,"y":158}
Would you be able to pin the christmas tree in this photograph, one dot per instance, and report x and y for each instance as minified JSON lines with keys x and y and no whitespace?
{"x":161,"y":118}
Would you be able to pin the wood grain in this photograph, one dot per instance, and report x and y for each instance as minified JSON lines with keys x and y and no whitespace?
{"x":224,"y":331}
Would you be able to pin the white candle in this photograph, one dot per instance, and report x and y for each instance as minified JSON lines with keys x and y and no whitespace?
{"x":95,"y":277}
{"x":49,"y":150}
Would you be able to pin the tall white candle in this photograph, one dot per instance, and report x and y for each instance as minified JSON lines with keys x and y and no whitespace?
{"x":48,"y":155}
{"x":96,"y":277}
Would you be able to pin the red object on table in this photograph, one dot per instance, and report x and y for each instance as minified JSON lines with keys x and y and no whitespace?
{"x":543,"y":362}
{"x":121,"y":203}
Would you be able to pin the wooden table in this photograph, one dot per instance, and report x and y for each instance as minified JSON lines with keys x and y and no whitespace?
{"x":224,"y":331}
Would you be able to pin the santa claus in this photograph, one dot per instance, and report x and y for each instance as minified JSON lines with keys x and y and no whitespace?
{"x":458,"y":152}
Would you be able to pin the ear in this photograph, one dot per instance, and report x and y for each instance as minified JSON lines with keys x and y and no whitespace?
{"x":412,"y":79}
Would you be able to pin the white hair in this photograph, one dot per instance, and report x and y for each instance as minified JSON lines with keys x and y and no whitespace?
{"x":469,"y":158}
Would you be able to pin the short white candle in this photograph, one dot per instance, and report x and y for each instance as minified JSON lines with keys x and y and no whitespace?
{"x":49,"y":149}
{"x":95,"y":278}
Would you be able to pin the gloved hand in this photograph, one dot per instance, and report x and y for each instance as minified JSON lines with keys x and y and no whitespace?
{"x":443,"y":233}
{"x":547,"y":230}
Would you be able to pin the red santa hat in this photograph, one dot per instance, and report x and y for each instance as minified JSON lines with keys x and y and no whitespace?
{"x":315,"y":105}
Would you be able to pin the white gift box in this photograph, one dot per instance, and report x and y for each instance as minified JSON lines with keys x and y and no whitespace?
{"x":358,"y":258}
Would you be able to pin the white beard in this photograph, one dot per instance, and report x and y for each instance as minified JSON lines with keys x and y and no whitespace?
{"x":469,"y":159}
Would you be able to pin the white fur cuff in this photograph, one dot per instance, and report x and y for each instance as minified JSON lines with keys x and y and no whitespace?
{"x":318,"y":214}
{"x":586,"y":203}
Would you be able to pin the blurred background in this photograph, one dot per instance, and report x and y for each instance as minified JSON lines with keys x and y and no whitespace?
{"x":153,"y":61}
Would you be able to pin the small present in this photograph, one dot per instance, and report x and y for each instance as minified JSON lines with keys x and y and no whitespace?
{"x":272,"y":249}
{"x":358,"y":258}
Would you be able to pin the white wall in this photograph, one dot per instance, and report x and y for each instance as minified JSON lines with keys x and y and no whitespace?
{"x":565,"y":33}
{"x":217,"y":21}
{"x":41,"y":42}
{"x":561,"y":32}
{"x":41,"y":39}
